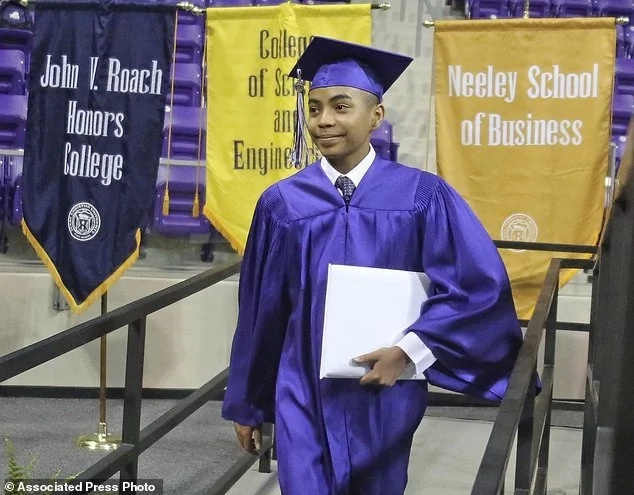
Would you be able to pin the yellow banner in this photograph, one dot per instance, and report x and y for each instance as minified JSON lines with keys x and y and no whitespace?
{"x":523,"y":128}
{"x":251,"y":100}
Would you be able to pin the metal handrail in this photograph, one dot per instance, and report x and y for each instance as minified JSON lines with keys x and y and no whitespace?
{"x":134,"y":439}
{"x":40,"y":352}
{"x":517,"y":413}
{"x":546,"y":246}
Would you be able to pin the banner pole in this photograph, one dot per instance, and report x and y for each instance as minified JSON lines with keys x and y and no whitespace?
{"x":102,"y":368}
{"x":621,"y":20}
{"x":194,"y":9}
{"x":527,"y":4}
{"x":102,"y":440}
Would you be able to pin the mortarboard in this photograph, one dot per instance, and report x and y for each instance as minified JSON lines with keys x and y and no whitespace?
{"x":328,"y":62}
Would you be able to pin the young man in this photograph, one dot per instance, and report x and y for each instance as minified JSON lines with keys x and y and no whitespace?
{"x":344,"y":436}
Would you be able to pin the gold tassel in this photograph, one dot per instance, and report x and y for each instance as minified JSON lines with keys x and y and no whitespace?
{"x":196,"y":207}
{"x":299,"y":149}
{"x":166,"y":202}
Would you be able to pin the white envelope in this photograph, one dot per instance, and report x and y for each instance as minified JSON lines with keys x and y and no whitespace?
{"x":366,"y":309}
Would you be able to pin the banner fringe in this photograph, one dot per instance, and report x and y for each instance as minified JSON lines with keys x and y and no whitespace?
{"x":196,"y":205}
{"x":166,"y":202}
{"x":565,"y":276}
{"x":100,"y":290}
{"x":217,"y":223}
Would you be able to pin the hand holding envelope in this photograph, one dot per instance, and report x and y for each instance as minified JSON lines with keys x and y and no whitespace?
{"x":368,"y":309}
{"x":385,"y":366}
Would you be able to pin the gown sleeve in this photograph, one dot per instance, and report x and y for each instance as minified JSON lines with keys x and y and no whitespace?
{"x":263,"y":315}
{"x":469,"y":321}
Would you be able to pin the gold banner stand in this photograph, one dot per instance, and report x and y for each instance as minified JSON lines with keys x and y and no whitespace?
{"x":101,"y":440}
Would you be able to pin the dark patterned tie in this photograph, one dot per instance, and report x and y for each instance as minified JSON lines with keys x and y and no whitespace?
{"x":346,"y":186}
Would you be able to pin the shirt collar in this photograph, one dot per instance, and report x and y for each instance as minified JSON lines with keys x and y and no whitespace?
{"x":356,"y":174}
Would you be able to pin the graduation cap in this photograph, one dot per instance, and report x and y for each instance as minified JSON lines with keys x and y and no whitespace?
{"x":328,"y":62}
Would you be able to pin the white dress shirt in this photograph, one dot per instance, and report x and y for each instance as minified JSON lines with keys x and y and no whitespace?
{"x":411,"y":344}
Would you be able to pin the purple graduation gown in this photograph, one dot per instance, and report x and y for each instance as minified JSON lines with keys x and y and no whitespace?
{"x":335,"y":436}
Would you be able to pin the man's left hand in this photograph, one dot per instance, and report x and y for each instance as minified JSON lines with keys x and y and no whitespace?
{"x":386,"y":363}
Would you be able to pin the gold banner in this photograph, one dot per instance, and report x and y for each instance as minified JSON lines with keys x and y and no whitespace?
{"x":523,"y":128}
{"x":251,"y":100}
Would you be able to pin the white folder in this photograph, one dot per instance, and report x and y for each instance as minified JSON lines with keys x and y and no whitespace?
{"x":366,"y":309}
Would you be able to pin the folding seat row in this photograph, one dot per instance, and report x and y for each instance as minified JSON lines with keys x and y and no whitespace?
{"x":483,"y":9}
{"x":12,"y":72}
{"x":185,"y":117}
{"x":13,"y":113}
{"x":188,"y":128}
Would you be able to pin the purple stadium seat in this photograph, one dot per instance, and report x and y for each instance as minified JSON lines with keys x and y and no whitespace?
{"x":394,"y":151}
{"x":13,"y":110}
{"x":182,"y":188}
{"x":268,"y":3}
{"x":381,"y":140}
{"x":187,"y":83}
{"x":624,"y":76}
{"x":615,"y":8}
{"x":190,"y":19}
{"x":12,"y":68}
{"x":189,"y":44}
{"x":229,"y":3}
{"x":622,"y":110}
{"x":4,"y":213}
{"x":10,"y":171}
{"x":12,"y":121}
{"x":620,"y":42}
{"x":186,"y":125}
{"x":572,"y":8}
{"x":16,"y":209}
{"x":383,"y":133}
{"x":1,"y":189}
{"x":185,"y":18}
{"x":17,"y":39}
{"x":13,"y":168}
{"x":488,"y":9}
{"x":320,"y":2}
{"x":621,"y":143}
{"x":629,"y":39}
{"x":537,"y":8}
